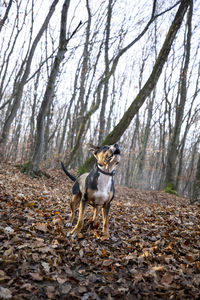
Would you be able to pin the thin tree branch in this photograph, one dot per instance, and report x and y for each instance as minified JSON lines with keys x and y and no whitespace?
{"x":2,"y":21}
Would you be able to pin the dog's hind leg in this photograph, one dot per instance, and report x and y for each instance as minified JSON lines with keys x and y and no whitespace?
{"x":75,"y":201}
{"x":80,"y":221}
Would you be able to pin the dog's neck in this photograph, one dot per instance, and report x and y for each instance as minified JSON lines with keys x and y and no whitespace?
{"x":106,"y":171}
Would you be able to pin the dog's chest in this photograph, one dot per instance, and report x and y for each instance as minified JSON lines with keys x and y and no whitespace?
{"x":104,"y":185}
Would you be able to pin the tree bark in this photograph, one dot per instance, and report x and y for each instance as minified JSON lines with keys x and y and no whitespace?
{"x":196,"y":185}
{"x":80,"y":122}
{"x":106,"y":87}
{"x":172,"y":155}
{"x":142,"y":154}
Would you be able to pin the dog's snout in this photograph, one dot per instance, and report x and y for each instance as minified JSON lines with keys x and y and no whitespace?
{"x":117,"y":149}
{"x":116,"y":146}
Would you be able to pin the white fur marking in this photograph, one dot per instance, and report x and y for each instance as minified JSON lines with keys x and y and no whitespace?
{"x":104,"y":187}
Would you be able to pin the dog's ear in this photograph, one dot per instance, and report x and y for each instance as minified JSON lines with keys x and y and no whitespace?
{"x":92,"y":148}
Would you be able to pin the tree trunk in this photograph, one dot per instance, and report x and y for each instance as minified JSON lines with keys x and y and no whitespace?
{"x":142,"y":154}
{"x":172,"y":155}
{"x":105,"y":92}
{"x":196,"y":185}
{"x":78,"y":127}
{"x":50,"y":89}
{"x":67,"y":118}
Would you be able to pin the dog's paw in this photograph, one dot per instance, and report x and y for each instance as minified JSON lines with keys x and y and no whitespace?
{"x":68,"y":234}
{"x":105,"y":237}
{"x":68,"y":224}
{"x":71,"y":235}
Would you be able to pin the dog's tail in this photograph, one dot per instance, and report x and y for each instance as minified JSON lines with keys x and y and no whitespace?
{"x":67,"y":173}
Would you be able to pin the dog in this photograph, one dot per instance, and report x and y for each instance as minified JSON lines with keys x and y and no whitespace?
{"x":96,"y":187}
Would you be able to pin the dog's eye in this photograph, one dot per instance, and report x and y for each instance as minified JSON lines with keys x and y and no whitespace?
{"x":105,"y":148}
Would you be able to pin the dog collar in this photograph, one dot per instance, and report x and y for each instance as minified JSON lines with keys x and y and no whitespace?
{"x":106,"y":173}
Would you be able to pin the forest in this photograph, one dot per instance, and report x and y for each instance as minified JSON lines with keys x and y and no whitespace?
{"x":116,"y":71}
{"x":100,"y":72}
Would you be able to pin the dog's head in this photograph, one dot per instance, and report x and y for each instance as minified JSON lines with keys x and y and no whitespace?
{"x":107,"y":156}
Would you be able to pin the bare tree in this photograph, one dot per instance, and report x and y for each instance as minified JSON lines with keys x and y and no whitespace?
{"x":107,"y":69}
{"x":22,"y":77}
{"x":50,"y":89}
{"x":170,"y":177}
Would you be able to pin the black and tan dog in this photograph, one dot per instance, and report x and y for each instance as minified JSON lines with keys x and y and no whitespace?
{"x":96,"y":187}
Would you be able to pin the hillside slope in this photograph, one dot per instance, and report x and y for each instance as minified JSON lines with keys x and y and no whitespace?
{"x":152,"y":253}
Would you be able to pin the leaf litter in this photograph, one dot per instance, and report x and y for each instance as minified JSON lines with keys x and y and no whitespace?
{"x":152,"y":253}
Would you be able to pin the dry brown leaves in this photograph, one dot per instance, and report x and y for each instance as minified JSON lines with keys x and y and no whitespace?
{"x":152,"y":253}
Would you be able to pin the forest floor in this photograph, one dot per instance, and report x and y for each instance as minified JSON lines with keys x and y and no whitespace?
{"x":152,"y":253}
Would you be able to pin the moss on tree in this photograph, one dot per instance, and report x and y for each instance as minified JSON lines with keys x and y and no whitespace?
{"x":196,"y":185}
{"x":170,"y":189}
{"x":28,"y":168}
{"x":86,"y":166}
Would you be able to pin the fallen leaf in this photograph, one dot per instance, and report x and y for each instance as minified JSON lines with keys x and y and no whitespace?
{"x":28,"y":287}
{"x":3,"y":276}
{"x":189,"y":258}
{"x":81,"y":253}
{"x":36,"y":276}
{"x":104,"y":253}
{"x":41,"y":227}
{"x":107,"y":262}
{"x":167,"y":278}
{"x":65,"y":288}
{"x":50,"y":292}
{"x":45,"y":266}
{"x":61,"y":280}
{"x":5,"y":293}
{"x":8,"y":252}
{"x":158,"y":268}
{"x":9,"y":230}
{"x":82,"y":289}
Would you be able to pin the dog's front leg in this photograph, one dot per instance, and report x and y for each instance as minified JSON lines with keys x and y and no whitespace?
{"x":105,"y":212}
{"x":95,"y":215}
{"x":80,"y":221}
